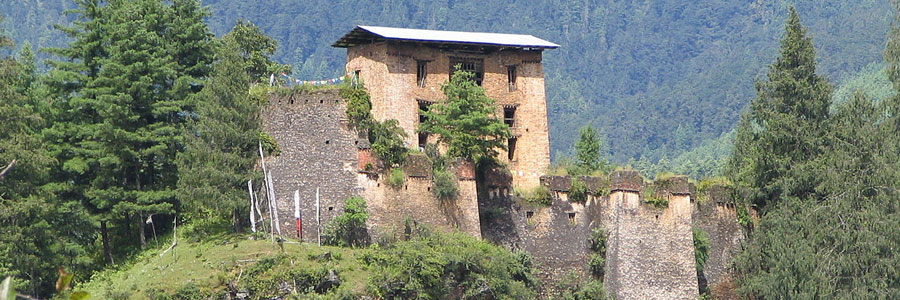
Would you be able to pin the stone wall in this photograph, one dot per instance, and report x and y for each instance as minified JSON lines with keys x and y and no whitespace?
{"x":389,"y":69}
{"x":318,"y":150}
{"x":716,"y":215}
{"x":650,"y":251}
{"x":389,"y":206}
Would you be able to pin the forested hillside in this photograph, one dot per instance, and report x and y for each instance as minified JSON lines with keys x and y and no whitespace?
{"x":657,"y":77}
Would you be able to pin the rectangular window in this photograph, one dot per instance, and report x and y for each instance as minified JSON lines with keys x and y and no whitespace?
{"x":472,"y":65}
{"x":423,"y":107}
{"x":511,"y":145}
{"x":421,"y":72}
{"x":509,"y":116}
{"x":423,"y":140}
{"x":511,"y":77}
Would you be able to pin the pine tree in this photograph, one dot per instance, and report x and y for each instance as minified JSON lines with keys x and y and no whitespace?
{"x":221,"y":143}
{"x":256,"y":48}
{"x":785,"y":125}
{"x":588,"y":156}
{"x":466,"y":120}
{"x":123,"y":88}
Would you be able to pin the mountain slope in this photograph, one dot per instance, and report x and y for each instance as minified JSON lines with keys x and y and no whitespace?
{"x":656,"y":76}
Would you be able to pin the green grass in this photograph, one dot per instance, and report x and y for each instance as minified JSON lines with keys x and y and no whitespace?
{"x":209,"y":265}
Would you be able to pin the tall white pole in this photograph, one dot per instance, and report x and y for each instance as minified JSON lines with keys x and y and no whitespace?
{"x":252,"y":215}
{"x":297,"y":213}
{"x":318,"y":221}
{"x":274,"y":204}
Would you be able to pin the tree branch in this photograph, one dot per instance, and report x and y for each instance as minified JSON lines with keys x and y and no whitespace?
{"x":8,"y":168}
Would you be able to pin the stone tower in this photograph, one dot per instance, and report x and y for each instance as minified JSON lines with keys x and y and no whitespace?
{"x":403,"y":70}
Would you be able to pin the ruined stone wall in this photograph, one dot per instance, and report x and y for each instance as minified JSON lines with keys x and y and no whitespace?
{"x":650,"y":251}
{"x":318,"y":150}
{"x":716,"y":214}
{"x":389,"y":206}
{"x":389,"y":73}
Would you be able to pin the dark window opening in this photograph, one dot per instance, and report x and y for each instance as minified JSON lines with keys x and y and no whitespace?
{"x":423,"y":139}
{"x":509,"y":116}
{"x":529,"y":214}
{"x":511,"y":145}
{"x":511,"y":76}
{"x":423,"y":107}
{"x":572,"y":218}
{"x":330,"y":208}
{"x":472,"y":65}
{"x":327,"y":142}
{"x":421,"y":72}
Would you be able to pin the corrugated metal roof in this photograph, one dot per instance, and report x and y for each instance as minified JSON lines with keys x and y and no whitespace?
{"x":362,"y":33}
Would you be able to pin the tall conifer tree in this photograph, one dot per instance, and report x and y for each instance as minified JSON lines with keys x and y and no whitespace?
{"x":785,"y":124}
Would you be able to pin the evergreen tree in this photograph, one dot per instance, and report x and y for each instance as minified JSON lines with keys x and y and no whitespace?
{"x":785,"y":125}
{"x":256,"y":48}
{"x":38,"y":233}
{"x":221,"y":143}
{"x":466,"y":120}
{"x":123,"y":87}
{"x":588,"y":156}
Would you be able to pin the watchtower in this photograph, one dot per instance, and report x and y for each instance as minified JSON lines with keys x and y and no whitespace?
{"x":403,"y":70}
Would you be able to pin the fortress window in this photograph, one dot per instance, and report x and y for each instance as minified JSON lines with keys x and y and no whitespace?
{"x":511,"y":147}
{"x":472,"y":65}
{"x":421,"y":72}
{"x":423,"y":107}
{"x":572,"y":218}
{"x":529,"y":215}
{"x":509,"y":116}
{"x":511,"y":77}
{"x":423,"y":139}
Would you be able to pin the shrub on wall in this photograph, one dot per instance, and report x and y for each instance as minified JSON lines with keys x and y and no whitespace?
{"x":597,"y":244}
{"x":578,"y":191}
{"x":445,"y":186}
{"x":701,"y":248}
{"x":539,"y":195}
{"x":349,"y":228}
{"x":387,"y":142}
{"x":397,"y":178}
{"x":359,"y":107}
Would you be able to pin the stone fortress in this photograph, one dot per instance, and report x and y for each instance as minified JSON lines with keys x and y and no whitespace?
{"x":650,"y":251}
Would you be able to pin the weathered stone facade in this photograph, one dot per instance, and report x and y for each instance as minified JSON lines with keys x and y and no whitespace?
{"x":389,"y":71}
{"x":320,"y":151}
{"x":716,"y":215}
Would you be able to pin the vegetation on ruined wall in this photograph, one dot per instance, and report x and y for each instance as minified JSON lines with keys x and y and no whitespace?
{"x":536,"y":196}
{"x":397,"y":178}
{"x":386,"y":137}
{"x":597,"y":261}
{"x":578,"y":192}
{"x":653,"y":195}
{"x":445,"y":186}
{"x":466,"y":120}
{"x":349,"y":228}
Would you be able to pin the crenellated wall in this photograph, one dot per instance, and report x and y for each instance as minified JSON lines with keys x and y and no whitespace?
{"x":649,"y":254}
{"x":716,"y":215}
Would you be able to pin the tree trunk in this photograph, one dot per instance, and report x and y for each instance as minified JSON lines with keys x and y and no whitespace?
{"x":141,"y":227}
{"x":104,"y":234}
{"x":235,"y":220}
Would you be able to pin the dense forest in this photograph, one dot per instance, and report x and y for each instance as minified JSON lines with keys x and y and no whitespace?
{"x":135,"y":115}
{"x":656,"y":77}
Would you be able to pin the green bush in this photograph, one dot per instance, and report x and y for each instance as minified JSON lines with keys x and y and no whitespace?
{"x":539,"y":195}
{"x":597,"y":240}
{"x":359,"y":106}
{"x":273,"y":278}
{"x":445,"y":186}
{"x":435,"y":265}
{"x":578,"y":192}
{"x":701,"y":248}
{"x":596,"y":264}
{"x":397,"y":178}
{"x":651,"y":197}
{"x":349,"y":228}
{"x":387,"y":142}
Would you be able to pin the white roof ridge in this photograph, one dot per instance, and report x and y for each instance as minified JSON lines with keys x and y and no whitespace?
{"x":463,"y":37}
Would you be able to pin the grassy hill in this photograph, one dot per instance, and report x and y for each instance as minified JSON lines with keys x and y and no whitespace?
{"x":224,"y":264}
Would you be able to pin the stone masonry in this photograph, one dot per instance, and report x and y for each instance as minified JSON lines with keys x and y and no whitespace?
{"x":389,"y":72}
